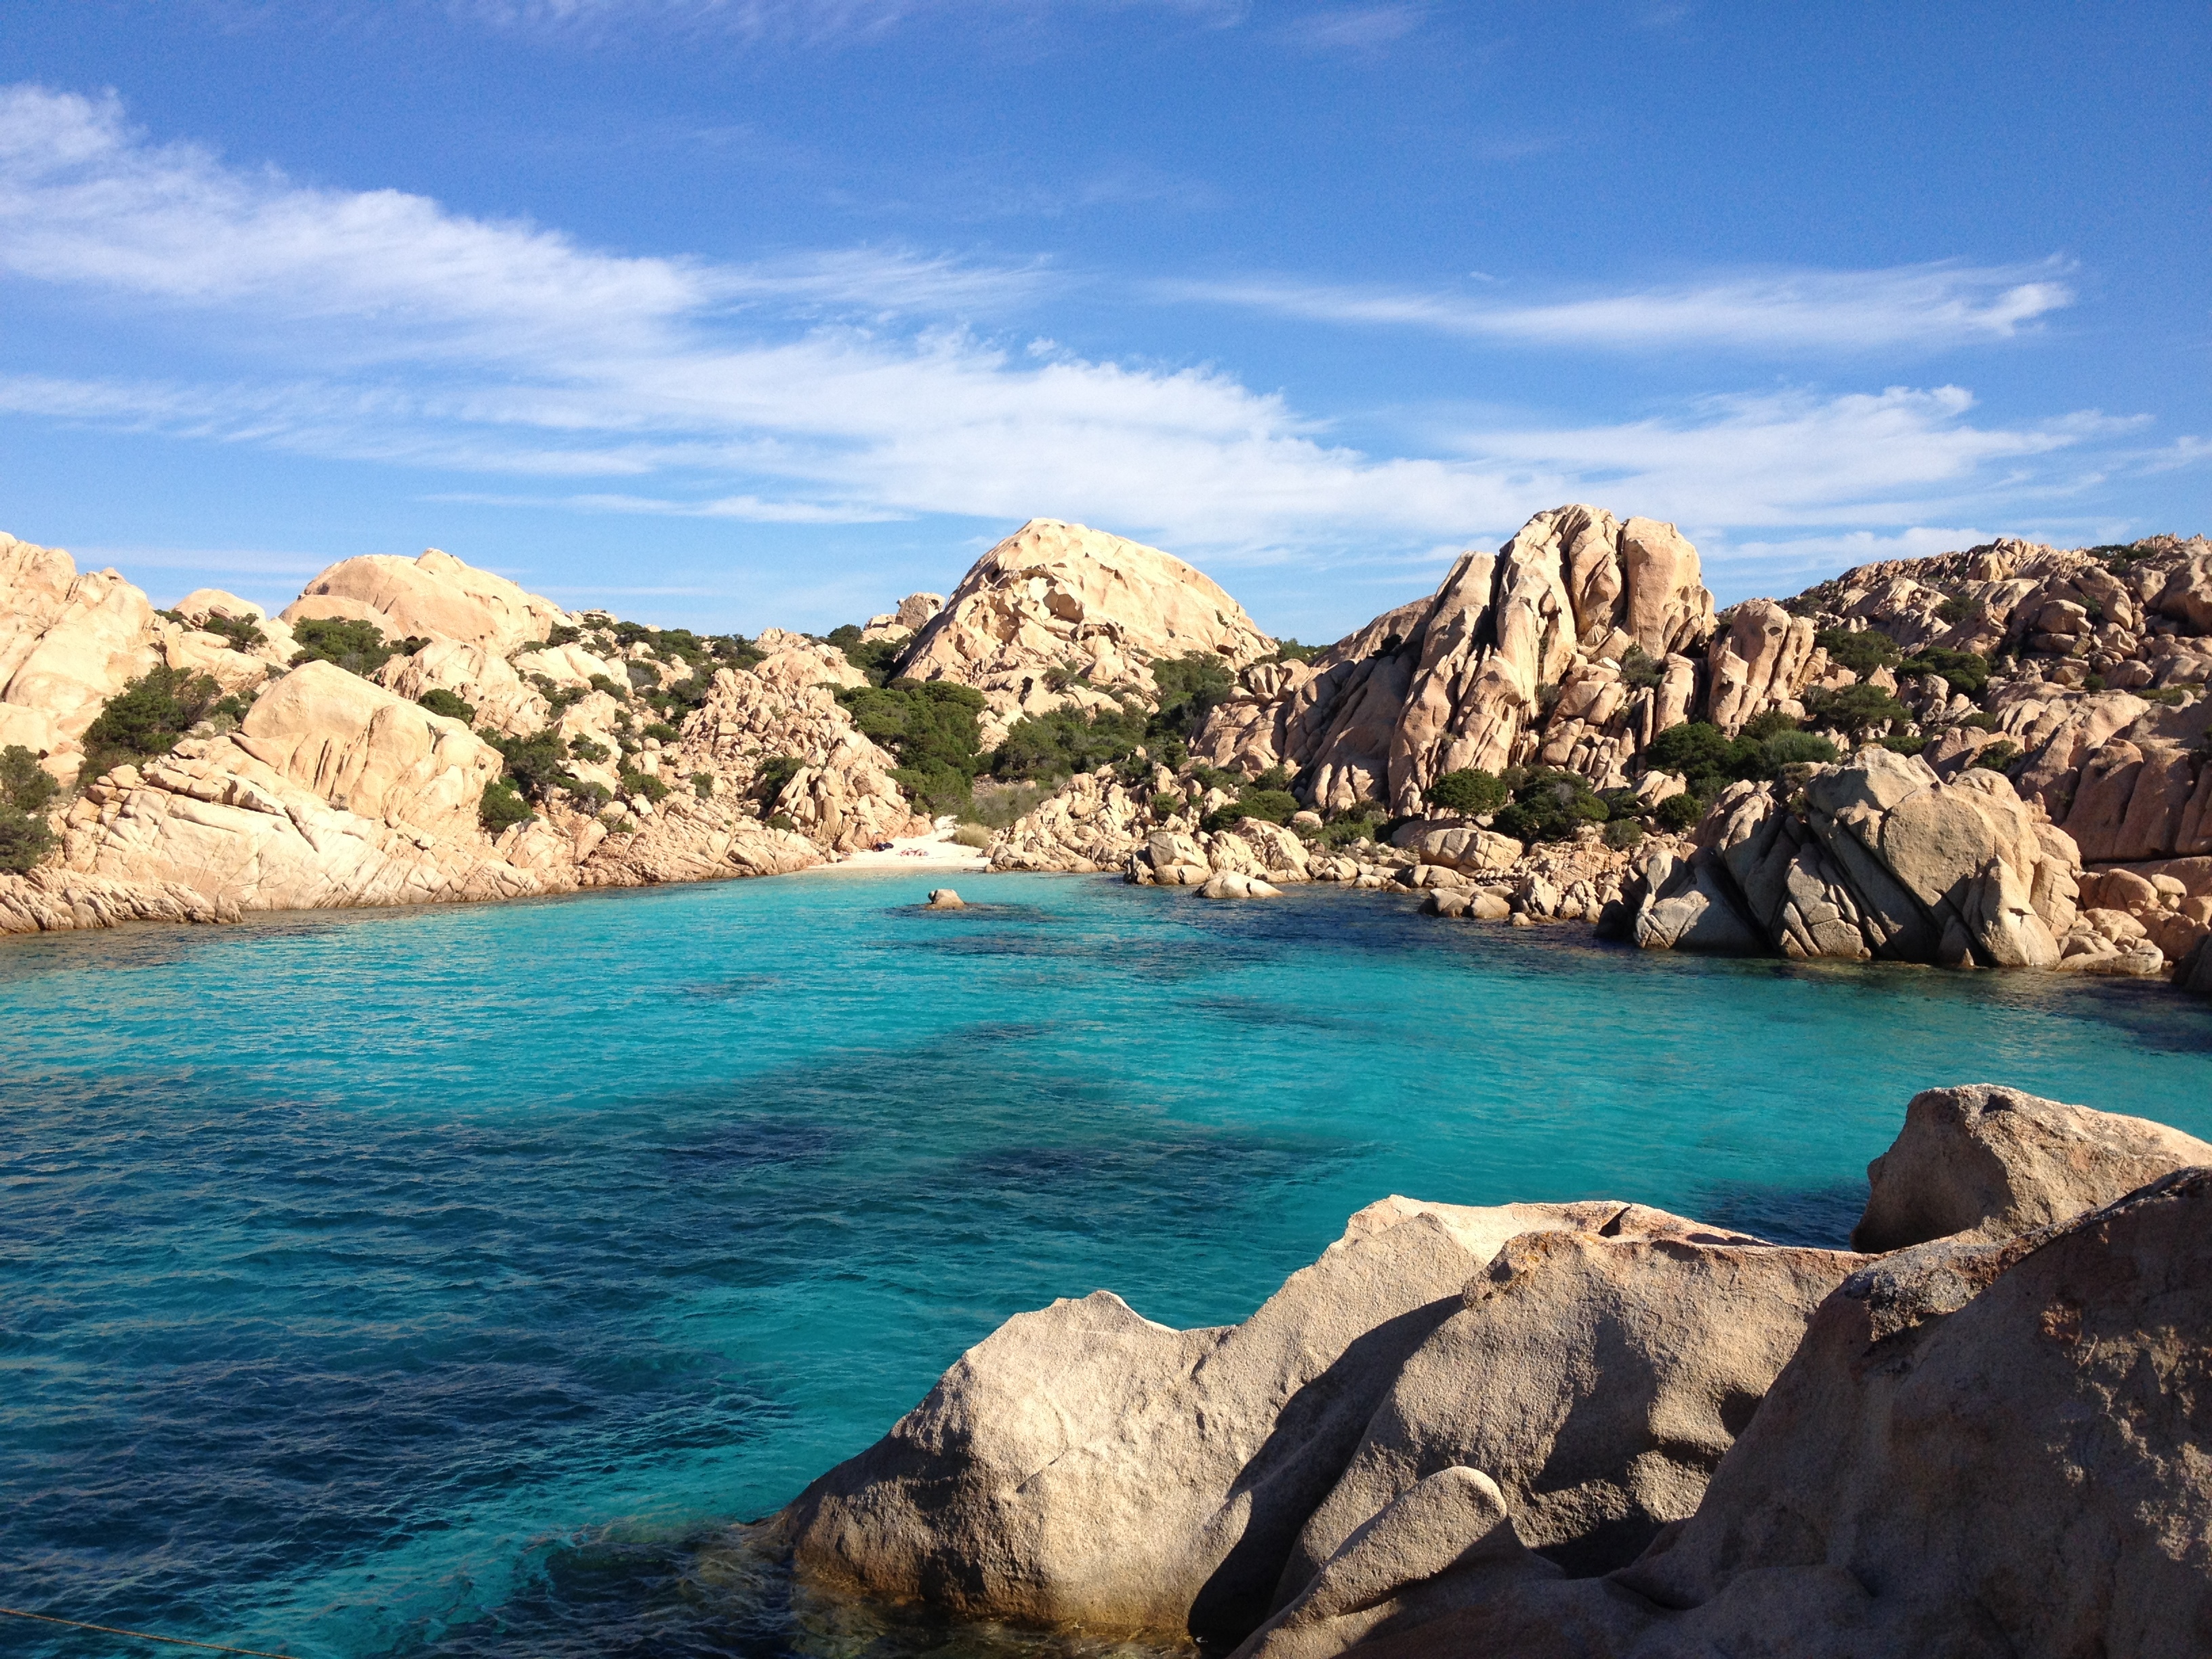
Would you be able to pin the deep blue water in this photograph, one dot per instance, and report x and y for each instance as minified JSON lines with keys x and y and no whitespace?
{"x":449,"y":1281}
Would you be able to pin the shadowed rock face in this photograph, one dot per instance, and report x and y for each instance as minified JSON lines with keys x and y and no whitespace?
{"x":1984,"y":1162}
{"x":1085,"y":1465}
{"x":1995,"y":1443}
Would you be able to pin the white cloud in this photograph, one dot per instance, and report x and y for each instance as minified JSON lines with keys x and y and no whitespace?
{"x":1918,"y":306}
{"x":855,"y":387}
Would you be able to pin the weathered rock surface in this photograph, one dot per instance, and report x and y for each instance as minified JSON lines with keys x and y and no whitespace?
{"x":49,"y":900}
{"x":435,"y":597}
{"x":1987,"y":1444}
{"x":1058,"y":614}
{"x":1983,"y":1162}
{"x":1463,"y":679}
{"x":1084,"y":1464}
{"x":1875,"y":857}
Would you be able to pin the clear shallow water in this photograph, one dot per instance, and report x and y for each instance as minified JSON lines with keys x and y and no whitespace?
{"x":448,"y":1282}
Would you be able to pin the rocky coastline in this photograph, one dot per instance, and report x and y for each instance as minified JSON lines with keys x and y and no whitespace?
{"x":1596,"y":1428}
{"x":1995,"y":758}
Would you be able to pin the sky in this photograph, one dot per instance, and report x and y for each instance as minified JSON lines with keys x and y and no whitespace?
{"x":731,"y":313}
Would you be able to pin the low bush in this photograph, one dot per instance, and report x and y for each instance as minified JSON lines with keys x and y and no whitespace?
{"x":1999,"y":755}
{"x":1796,"y":749}
{"x":775,"y":773}
{"x":1963,"y":671}
{"x":780,"y":821}
{"x":1470,"y":792}
{"x":148,"y":714}
{"x":1269,"y":805}
{"x":1679,"y":813}
{"x":1621,"y":834}
{"x":500,"y":807}
{"x":1069,"y":740}
{"x":438,"y":700}
{"x":642,"y":783}
{"x":702,"y":785}
{"x":239,"y":633}
{"x":536,"y":764}
{"x":359,"y":647}
{"x":877,"y":659}
{"x":583,"y":749}
{"x":1860,"y":650}
{"x":2172,"y":696}
{"x":1291,"y":651}
{"x":1901,"y":745}
{"x":1954,"y":610}
{"x":931,"y":728}
{"x":972,"y":835}
{"x":1547,"y":806}
{"x":996,"y":806}
{"x":1640,"y":668}
{"x":25,"y":840}
{"x":24,"y":784}
{"x":1857,"y":708}
{"x":661,"y":732}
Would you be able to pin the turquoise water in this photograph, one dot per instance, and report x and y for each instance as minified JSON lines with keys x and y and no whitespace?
{"x":448,"y":1282}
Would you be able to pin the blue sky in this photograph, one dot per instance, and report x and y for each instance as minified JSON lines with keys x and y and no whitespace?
{"x":734,"y":312}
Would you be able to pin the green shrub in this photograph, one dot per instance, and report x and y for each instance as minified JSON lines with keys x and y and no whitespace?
{"x":780,"y":821}
{"x":1965,"y":670}
{"x":601,"y":683}
{"x":239,"y":633}
{"x":931,"y":727}
{"x":702,"y":785}
{"x":1796,"y":749}
{"x":359,"y":647}
{"x":2171,"y":695}
{"x":1069,"y":740}
{"x":775,"y":773}
{"x":1771,"y":723}
{"x":1857,"y":708}
{"x":643,"y":783}
{"x":1547,"y":806}
{"x":25,"y":840}
{"x":500,"y":807}
{"x":972,"y":835}
{"x":1273,"y":805}
{"x":877,"y":659}
{"x":1678,"y":812}
{"x":1167,"y":803}
{"x":1622,"y":804}
{"x":438,"y":700}
{"x":24,"y":784}
{"x":584,"y":748}
{"x":1639,"y":669}
{"x":642,"y":675}
{"x":1470,"y":792}
{"x":1190,"y":686}
{"x":147,"y":717}
{"x":1905,"y":745}
{"x":1621,"y":834}
{"x":1860,"y":650}
{"x":2094,"y":683}
{"x":1999,"y":755}
{"x":538,"y":764}
{"x":997,"y":808}
{"x":1954,"y":610}
{"x":1291,"y":651}
{"x":662,"y":731}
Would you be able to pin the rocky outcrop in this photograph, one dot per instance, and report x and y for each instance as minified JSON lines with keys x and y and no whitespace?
{"x":1875,"y":859}
{"x":913,"y":614}
{"x":1985,"y":1444}
{"x":1984,"y":1162}
{"x":1057,"y":614}
{"x":331,"y":792}
{"x":435,"y":597}
{"x":64,"y":901}
{"x":1565,"y":647}
{"x":1085,"y":1465}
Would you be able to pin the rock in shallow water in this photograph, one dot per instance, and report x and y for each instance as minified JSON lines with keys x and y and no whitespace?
{"x":944,"y":898}
{"x":1981,"y":1445}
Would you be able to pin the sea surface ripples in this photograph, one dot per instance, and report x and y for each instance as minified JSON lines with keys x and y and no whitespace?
{"x":453,"y":1282}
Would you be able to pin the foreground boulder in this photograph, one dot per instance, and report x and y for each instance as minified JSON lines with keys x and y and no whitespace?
{"x":1982,"y":1162}
{"x":1625,"y":1437}
{"x":1085,"y":1465}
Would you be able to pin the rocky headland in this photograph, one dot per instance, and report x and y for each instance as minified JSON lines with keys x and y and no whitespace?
{"x":1594,"y":1429}
{"x":1992,"y":758}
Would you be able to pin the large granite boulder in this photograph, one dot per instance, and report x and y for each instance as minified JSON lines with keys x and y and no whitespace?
{"x":434,"y":597}
{"x":1058,"y":614}
{"x":1983,"y":1162}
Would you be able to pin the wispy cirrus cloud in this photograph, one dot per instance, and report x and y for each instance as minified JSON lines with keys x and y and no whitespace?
{"x":864,"y":385}
{"x":1922,"y":305}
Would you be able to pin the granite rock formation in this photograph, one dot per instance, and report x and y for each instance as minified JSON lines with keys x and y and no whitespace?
{"x":1058,"y":615}
{"x":1621,"y":1436}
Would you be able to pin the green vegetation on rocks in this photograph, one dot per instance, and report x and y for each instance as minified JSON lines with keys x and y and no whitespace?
{"x":25,"y":791}
{"x":1860,"y":650}
{"x":1470,"y":792}
{"x":500,"y":807}
{"x":359,"y":647}
{"x":438,"y":700}
{"x":1963,"y":671}
{"x":149,"y":715}
{"x":931,"y":727}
